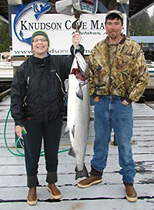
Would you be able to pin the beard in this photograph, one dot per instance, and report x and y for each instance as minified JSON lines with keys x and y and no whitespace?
{"x":113,"y":35}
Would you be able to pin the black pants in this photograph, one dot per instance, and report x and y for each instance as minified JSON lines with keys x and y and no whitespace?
{"x":50,"y":132}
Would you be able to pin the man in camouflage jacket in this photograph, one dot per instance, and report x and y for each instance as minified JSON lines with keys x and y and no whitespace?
{"x":118,"y":76}
{"x":125,"y":76}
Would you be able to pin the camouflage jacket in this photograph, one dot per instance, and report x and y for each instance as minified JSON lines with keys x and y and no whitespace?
{"x":126,"y":77}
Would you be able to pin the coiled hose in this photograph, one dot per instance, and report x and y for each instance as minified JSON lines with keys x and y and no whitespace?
{"x":18,"y":141}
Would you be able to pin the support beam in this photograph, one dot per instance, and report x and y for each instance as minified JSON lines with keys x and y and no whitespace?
{"x":11,"y":10}
{"x":123,"y":6}
{"x":4,"y":19}
{"x":101,"y":7}
{"x":15,"y":2}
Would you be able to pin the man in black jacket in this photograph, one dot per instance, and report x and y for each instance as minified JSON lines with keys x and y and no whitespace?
{"x":37,"y":106}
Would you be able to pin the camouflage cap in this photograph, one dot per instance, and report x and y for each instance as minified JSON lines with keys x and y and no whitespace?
{"x":115,"y":12}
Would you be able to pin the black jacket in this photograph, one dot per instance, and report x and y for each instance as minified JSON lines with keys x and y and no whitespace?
{"x":37,"y":91}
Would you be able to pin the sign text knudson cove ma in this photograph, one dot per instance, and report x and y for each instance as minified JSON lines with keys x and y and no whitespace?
{"x":59,"y":29}
{"x":67,"y":25}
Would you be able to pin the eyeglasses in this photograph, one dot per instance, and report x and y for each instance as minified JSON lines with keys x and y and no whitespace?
{"x":41,"y":40}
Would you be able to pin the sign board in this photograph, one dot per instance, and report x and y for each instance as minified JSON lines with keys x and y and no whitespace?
{"x":59,"y":29}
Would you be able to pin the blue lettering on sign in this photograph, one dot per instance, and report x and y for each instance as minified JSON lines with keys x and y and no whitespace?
{"x":38,"y":7}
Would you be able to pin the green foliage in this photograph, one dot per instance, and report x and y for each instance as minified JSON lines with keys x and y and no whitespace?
{"x":142,"y":25}
{"x":5,"y":40}
{"x":152,"y":26}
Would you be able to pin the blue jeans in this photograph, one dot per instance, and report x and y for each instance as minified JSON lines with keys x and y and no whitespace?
{"x":110,"y":113}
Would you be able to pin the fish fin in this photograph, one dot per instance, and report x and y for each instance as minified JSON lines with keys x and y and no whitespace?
{"x":80,"y":174}
{"x":73,"y":130}
{"x":66,"y":131}
{"x":71,"y":152}
{"x":79,"y":92}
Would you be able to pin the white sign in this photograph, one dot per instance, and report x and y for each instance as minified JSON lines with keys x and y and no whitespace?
{"x":59,"y":29}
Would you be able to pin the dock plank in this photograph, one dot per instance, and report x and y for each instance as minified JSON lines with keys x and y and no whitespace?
{"x":110,"y":194}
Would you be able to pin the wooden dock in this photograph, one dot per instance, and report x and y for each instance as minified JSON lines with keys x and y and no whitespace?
{"x":109,"y":195}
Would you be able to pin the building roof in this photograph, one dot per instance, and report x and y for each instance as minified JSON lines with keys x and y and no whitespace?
{"x":143,"y":39}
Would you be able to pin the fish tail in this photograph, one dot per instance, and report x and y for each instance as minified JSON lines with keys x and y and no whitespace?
{"x":80,"y":174}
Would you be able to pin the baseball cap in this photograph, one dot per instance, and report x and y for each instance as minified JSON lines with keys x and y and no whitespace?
{"x":115,"y":12}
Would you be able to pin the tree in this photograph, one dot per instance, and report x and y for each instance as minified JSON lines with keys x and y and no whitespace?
{"x":5,"y":40}
{"x":152,"y":25}
{"x":140,"y":25}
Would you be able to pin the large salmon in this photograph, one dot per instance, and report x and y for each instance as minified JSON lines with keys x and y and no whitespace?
{"x":78,"y":115}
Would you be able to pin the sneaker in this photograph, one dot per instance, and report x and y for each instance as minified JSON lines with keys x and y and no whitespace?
{"x":55,"y":192}
{"x":32,"y":197}
{"x":91,"y":180}
{"x":131,"y":193}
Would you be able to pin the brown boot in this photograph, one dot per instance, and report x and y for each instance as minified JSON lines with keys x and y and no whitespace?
{"x":55,"y":192}
{"x":32,"y":197}
{"x":131,"y":193}
{"x":91,"y":180}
